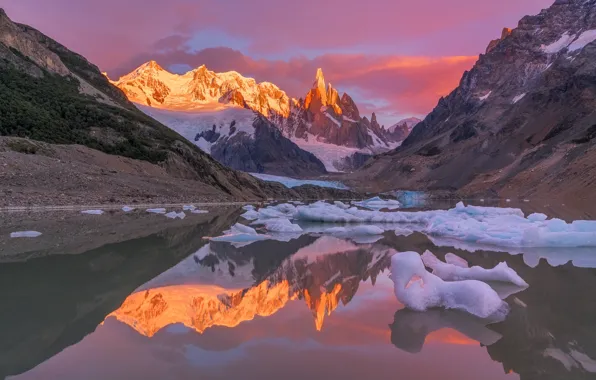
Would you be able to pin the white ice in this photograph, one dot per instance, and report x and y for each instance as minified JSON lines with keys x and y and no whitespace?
{"x":188,"y":207}
{"x":518,"y":98}
{"x":377,"y":203}
{"x":293,"y":182}
{"x":453,"y":259}
{"x":451,"y":272}
{"x":199,"y":211}
{"x":175,"y":215}
{"x":25,"y":234}
{"x":92,"y":212}
{"x":354,"y":231}
{"x":420,"y":290}
{"x":157,"y":210}
{"x":241,"y":235}
{"x":559,"y":44}
{"x":127,"y":209}
{"x":278,"y":225}
{"x":403,"y":231}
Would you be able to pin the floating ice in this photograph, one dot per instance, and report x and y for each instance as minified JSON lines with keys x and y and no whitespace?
{"x":127,"y":209}
{"x":403,"y":231}
{"x":377,"y":203}
{"x":248,"y":207}
{"x":278,"y":225}
{"x":25,"y":234}
{"x":450,"y":272}
{"x":157,"y":210}
{"x":92,"y":212}
{"x":241,"y":235}
{"x":199,"y":211}
{"x":175,"y":215}
{"x":453,"y":259}
{"x":354,"y":231}
{"x":188,"y":207}
{"x":341,"y":205}
{"x":420,"y":290}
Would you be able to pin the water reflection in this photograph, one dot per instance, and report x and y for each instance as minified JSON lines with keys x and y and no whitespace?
{"x":318,"y":307}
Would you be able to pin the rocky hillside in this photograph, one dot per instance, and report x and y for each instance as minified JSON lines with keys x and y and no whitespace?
{"x":520,"y":123}
{"x":53,"y":95}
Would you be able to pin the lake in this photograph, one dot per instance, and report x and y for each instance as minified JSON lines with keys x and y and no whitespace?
{"x":139,"y":296}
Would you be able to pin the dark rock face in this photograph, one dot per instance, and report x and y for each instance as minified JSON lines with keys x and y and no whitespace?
{"x":521,"y":118}
{"x":268,"y":152}
{"x":353,"y":162}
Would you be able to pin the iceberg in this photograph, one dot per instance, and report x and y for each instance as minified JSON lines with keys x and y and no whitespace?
{"x":199,"y":211}
{"x":188,"y":207}
{"x":127,"y":209}
{"x":403,"y":231}
{"x":157,"y":210}
{"x":453,"y":259}
{"x":92,"y":212}
{"x":25,"y":234}
{"x":354,"y":231}
{"x":451,"y":272}
{"x":419,"y":290}
{"x":278,"y":225}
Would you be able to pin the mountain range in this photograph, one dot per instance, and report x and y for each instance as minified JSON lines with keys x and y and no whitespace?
{"x":71,"y":136}
{"x":520,"y":123}
{"x":202,"y":105}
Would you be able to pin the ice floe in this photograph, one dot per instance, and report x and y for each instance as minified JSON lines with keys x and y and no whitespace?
{"x":451,"y":272}
{"x":403,"y":231}
{"x":127,"y":209}
{"x":377,"y":203}
{"x":195,"y":211}
{"x":25,"y":234}
{"x":92,"y":212}
{"x":175,"y":215}
{"x":278,"y":225}
{"x":293,"y":182}
{"x":240,"y":235}
{"x":420,"y":290}
{"x":188,"y":207}
{"x":157,"y":210}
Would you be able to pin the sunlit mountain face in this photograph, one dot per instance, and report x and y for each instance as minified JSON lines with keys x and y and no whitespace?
{"x":217,"y":289}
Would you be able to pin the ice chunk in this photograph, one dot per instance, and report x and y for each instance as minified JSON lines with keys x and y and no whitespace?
{"x":239,"y":228}
{"x":341,"y":205}
{"x":25,"y":234}
{"x":248,"y":207}
{"x":199,"y":211}
{"x":175,"y":215}
{"x":403,"y":231}
{"x":451,"y":258}
{"x":536,"y":217}
{"x":377,"y":203}
{"x":188,"y":207}
{"x":292,"y":182}
{"x":241,"y":235}
{"x":278,"y":225}
{"x":127,"y":209}
{"x":157,"y":210}
{"x":450,"y":272}
{"x":354,"y":231}
{"x":92,"y":212}
{"x":420,"y":290}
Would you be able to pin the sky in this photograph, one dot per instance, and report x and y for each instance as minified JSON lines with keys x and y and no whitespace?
{"x":395,"y":57}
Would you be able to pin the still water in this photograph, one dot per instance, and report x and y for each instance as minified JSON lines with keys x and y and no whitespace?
{"x":137,"y":297}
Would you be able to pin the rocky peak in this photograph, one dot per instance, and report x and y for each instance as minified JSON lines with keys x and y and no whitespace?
{"x":319,"y":84}
{"x":504,"y":34}
{"x":349,"y":107}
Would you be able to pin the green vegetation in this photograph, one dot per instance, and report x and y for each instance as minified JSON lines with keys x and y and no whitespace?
{"x":51,"y":109}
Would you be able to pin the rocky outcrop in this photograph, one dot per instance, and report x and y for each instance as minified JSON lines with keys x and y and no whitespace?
{"x":504,"y":34}
{"x":521,"y":122}
{"x":267,"y":151}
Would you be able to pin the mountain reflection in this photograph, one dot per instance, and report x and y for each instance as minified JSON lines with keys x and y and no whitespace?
{"x":207,"y":289}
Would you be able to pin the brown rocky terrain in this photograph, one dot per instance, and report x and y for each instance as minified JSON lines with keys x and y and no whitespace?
{"x":520,"y":124}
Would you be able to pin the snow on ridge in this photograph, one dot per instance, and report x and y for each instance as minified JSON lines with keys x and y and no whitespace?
{"x":190,"y":123}
{"x":584,"y":39}
{"x":483,"y":98}
{"x":334,"y":120}
{"x":518,"y":98}
{"x":559,"y":44}
{"x":327,"y":153}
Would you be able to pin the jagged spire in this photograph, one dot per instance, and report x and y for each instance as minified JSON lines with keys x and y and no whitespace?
{"x":319,"y":84}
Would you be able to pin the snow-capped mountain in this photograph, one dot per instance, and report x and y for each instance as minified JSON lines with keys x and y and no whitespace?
{"x":153,"y":86}
{"x":400,"y":130}
{"x":323,"y":123}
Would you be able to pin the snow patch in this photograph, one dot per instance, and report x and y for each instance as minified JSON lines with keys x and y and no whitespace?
{"x":559,"y":44}
{"x":334,"y":120}
{"x":483,"y":98}
{"x":584,"y":39}
{"x":25,"y":234}
{"x":518,"y":98}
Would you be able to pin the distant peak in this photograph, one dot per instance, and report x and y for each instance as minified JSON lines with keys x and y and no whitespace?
{"x":151,"y":65}
{"x":319,"y":80}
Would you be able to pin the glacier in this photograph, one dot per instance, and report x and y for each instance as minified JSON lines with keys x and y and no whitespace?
{"x":293,"y":182}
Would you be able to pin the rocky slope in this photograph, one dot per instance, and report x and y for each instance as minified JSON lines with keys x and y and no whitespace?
{"x":521,"y":122}
{"x":53,"y":95}
{"x":323,"y":123}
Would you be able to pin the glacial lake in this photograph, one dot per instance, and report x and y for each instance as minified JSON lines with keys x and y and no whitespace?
{"x":139,"y":296}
